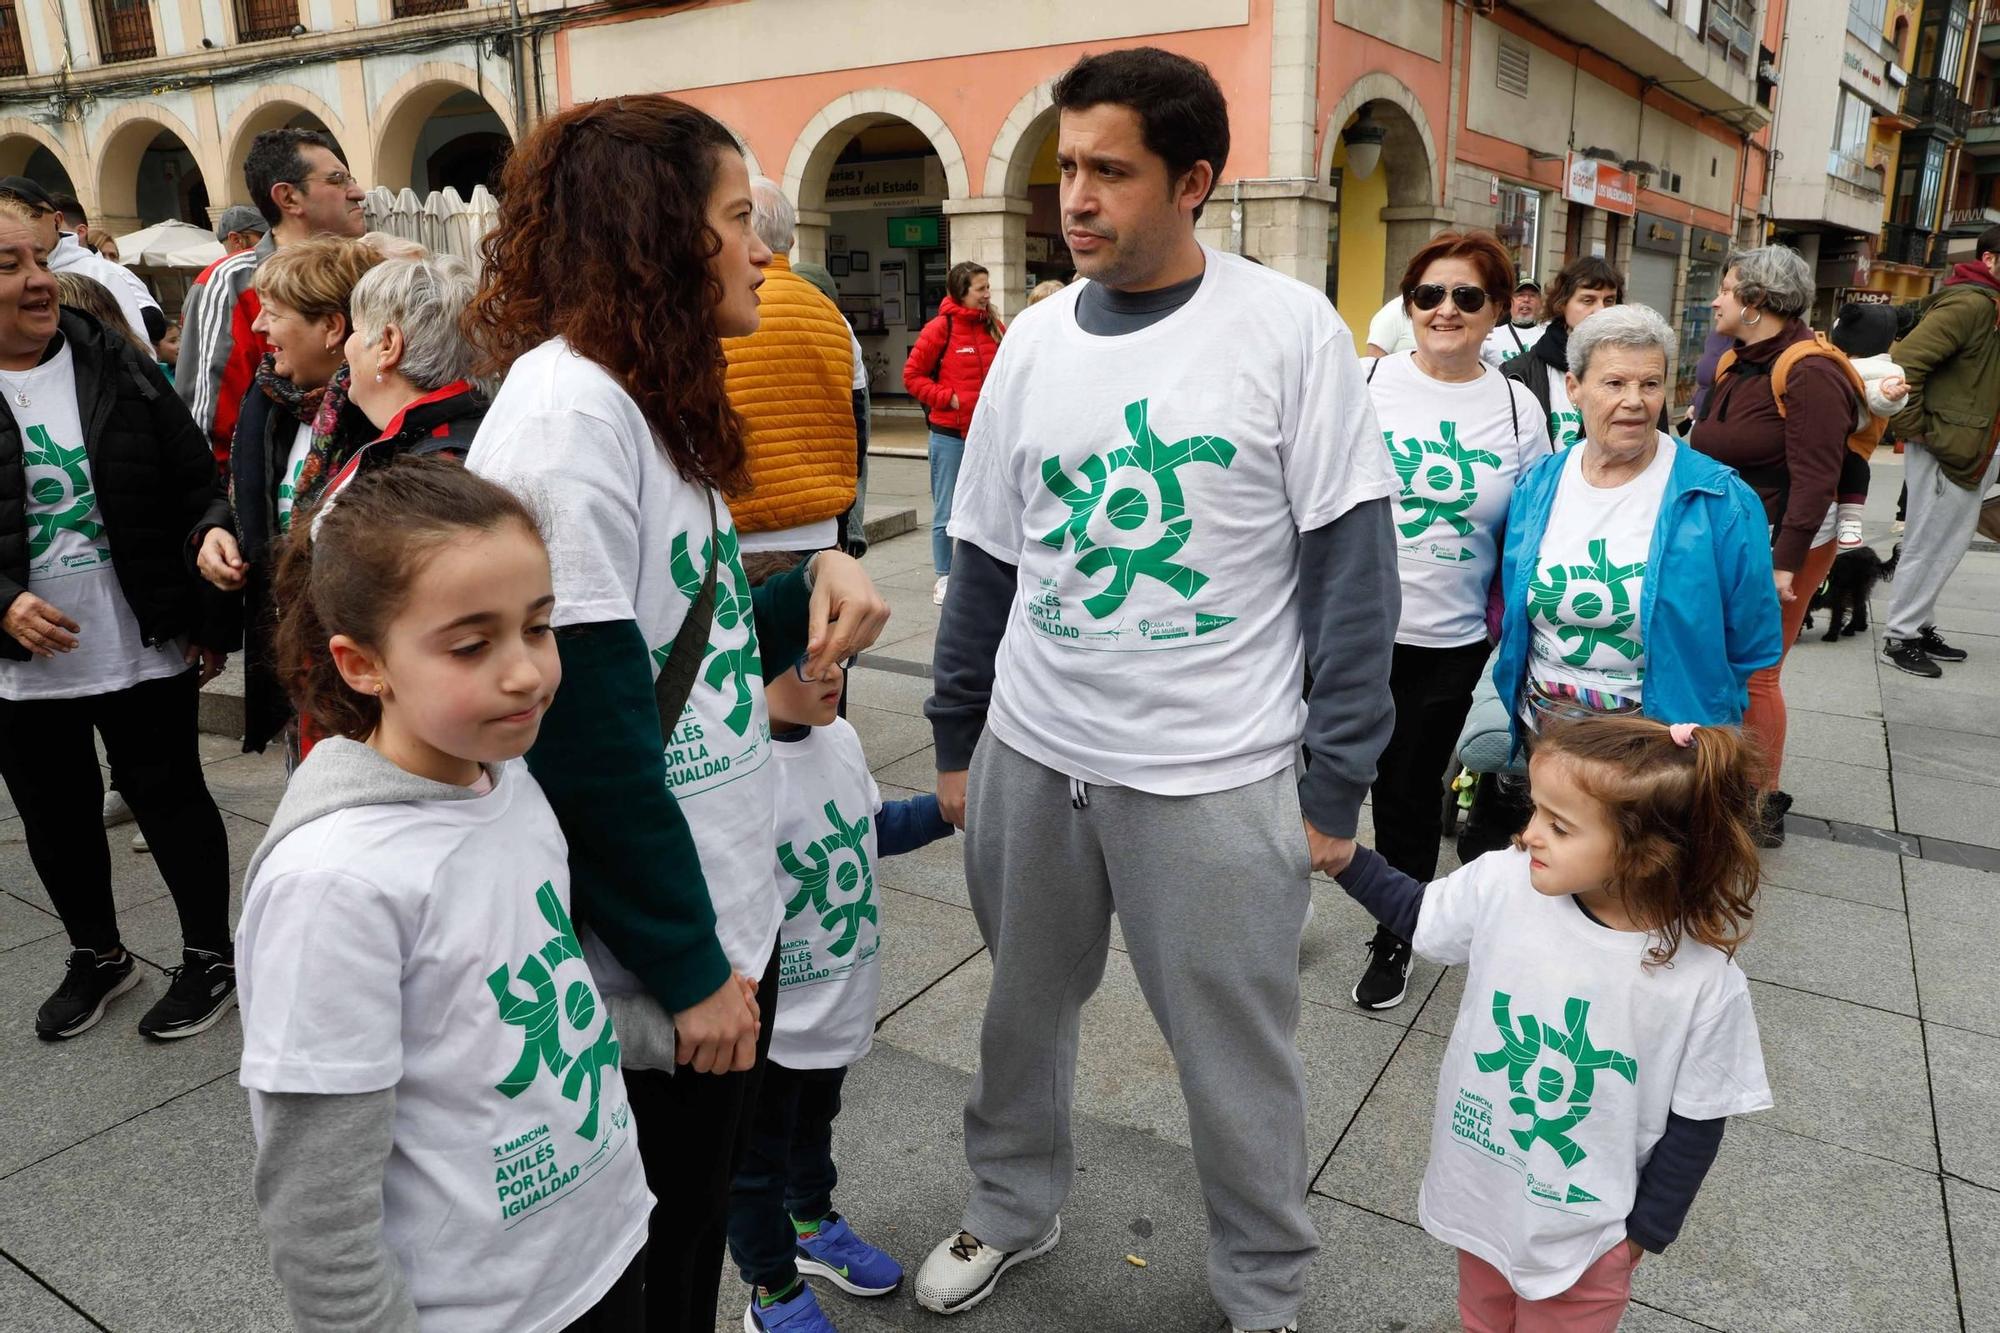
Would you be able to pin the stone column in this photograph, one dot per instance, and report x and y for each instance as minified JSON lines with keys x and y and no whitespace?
{"x":809,"y":247}
{"x":993,"y":232}
{"x":1409,"y":228}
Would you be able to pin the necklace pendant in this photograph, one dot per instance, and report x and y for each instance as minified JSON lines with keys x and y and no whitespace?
{"x":21,"y":399}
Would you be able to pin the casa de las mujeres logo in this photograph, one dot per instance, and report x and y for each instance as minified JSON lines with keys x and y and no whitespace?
{"x":1590,"y":606}
{"x":1440,"y":482}
{"x":1552,"y":1075}
{"x":1128,"y":520}
{"x":836,"y":888}
{"x":531,"y":1168}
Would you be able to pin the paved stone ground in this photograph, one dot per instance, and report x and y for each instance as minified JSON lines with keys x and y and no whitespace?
{"x":1869,"y":1200}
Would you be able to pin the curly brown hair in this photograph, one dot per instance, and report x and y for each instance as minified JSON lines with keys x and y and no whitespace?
{"x":603,"y":241}
{"x":1686,"y":864}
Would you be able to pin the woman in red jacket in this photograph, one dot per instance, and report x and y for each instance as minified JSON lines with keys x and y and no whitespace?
{"x":945,"y":371}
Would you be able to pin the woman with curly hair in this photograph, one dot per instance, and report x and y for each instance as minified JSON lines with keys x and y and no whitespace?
{"x":614,"y":425}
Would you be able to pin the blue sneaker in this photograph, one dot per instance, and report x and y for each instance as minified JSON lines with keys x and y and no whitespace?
{"x":835,"y":1253}
{"x":799,"y":1314}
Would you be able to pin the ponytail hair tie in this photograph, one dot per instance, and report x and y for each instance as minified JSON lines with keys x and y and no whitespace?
{"x":1683,"y":733}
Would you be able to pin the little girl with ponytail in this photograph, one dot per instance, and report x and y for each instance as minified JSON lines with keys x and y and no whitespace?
{"x":1605,"y":1035}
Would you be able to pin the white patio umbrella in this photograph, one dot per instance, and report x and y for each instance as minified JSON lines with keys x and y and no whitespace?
{"x":169,"y":245}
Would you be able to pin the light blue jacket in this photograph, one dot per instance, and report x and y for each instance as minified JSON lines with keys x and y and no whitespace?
{"x":1708,"y":610}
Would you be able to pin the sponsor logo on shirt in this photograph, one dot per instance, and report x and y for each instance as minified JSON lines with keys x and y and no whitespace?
{"x":60,"y":498}
{"x":1589,"y":606}
{"x":836,"y":886}
{"x":1565,"y":428}
{"x":1440,"y":481}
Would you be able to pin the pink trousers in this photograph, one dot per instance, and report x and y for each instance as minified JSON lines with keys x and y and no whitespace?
{"x":1486,"y":1304}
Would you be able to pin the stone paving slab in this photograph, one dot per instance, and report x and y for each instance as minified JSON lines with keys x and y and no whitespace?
{"x":1827,"y":789}
{"x":1975,"y":1243}
{"x":1836,"y":870}
{"x":1965,"y":1084}
{"x":23,"y":923}
{"x":1847,"y":740}
{"x":1960,"y":811}
{"x":1828,"y":946}
{"x":1954,"y":922}
{"x":1933,"y":752}
{"x":26,"y":1304}
{"x":134,"y":880}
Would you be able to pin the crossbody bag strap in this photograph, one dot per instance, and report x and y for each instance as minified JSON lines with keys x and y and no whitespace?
{"x":675,"y":682}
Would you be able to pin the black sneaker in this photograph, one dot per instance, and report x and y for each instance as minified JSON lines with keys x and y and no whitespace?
{"x":1909,"y":655}
{"x":1388,"y":974}
{"x":202,"y":989}
{"x":90,"y":984}
{"x":1771,"y":812}
{"x":1939,"y":650}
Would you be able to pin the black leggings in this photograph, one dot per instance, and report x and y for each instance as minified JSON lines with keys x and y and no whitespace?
{"x":1432,"y":688}
{"x":50,"y":766}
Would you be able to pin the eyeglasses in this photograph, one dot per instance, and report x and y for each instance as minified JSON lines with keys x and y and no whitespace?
{"x":339,"y":180}
{"x":1430,"y":295}
{"x":799,"y":668}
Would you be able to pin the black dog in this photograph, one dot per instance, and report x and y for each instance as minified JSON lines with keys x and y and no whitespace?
{"x":1847,"y":589}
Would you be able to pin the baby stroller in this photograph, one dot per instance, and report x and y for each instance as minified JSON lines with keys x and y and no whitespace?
{"x":1486,"y":802}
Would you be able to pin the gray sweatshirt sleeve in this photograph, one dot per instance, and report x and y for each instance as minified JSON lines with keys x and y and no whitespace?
{"x":319,"y":1191}
{"x":977,"y":603}
{"x":1349,"y":603}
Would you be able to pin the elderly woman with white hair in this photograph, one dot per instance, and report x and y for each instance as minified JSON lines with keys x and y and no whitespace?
{"x":411,"y":366}
{"x":1636,"y":573}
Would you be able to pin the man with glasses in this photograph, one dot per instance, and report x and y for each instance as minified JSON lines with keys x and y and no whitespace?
{"x":67,"y":254}
{"x":299,"y":184}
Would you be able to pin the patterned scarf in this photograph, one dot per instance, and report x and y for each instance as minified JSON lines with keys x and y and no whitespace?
{"x":302,"y":404}
{"x":320,"y":462}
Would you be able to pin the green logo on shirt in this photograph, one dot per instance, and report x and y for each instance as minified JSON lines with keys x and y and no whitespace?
{"x":732,"y":609}
{"x":1129,"y":509}
{"x":1565,"y":428}
{"x":1588,"y":606}
{"x":540,"y":1018}
{"x":820,"y":883}
{"x":59,"y":488}
{"x":1563,"y":1063}
{"x":1439,"y":483}
{"x":288,"y":491}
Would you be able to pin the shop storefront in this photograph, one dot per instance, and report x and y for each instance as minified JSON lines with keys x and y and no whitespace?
{"x":886,"y":248}
{"x":1706,"y":252}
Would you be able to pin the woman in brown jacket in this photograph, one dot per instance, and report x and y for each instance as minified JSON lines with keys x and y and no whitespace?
{"x":1791,"y":458}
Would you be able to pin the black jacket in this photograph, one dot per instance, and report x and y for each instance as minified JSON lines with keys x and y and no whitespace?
{"x":154,"y":477}
{"x":1537,"y":367}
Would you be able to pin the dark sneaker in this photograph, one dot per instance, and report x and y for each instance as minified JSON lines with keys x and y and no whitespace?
{"x":1909,"y":655}
{"x":91,"y":984}
{"x":1939,"y":650}
{"x":1388,"y":974}
{"x":201,"y":991}
{"x":1771,"y":812}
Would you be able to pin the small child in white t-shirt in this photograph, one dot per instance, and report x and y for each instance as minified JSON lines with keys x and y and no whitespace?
{"x":833,"y":827}
{"x":1606,"y":1033}
{"x":443,"y":1137}
{"x":1865,"y":333}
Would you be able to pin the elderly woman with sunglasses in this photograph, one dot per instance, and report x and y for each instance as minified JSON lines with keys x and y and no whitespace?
{"x":1459,"y":434}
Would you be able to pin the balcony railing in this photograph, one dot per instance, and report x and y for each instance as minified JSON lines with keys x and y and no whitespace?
{"x":408,"y":9}
{"x":13,"y":56}
{"x":1983,"y":119}
{"x":1854,"y":171}
{"x":124,"y":30}
{"x":1936,"y":102}
{"x":1971,"y":221}
{"x":1907,"y":245}
{"x":257,"y":20}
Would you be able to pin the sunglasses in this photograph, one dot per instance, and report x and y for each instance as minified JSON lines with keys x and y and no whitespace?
{"x":845,"y":664}
{"x":1430,"y":295}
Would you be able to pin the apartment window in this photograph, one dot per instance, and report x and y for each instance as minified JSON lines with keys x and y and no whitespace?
{"x":1520,"y":226}
{"x":1941,"y":38}
{"x":13,"y":56}
{"x":1731,"y":24}
{"x":257,"y":20}
{"x":124,"y":30}
{"x":404,"y":9}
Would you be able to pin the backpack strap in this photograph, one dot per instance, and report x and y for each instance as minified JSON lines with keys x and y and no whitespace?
{"x":1817,"y":345}
{"x":675,"y":682}
{"x":1373,"y":362}
{"x":1513,"y":411}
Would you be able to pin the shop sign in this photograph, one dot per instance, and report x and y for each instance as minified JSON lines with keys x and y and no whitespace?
{"x":1601,"y":185}
{"x":1709,"y":247}
{"x":1862,"y":296}
{"x":1657,"y":234}
{"x":910,"y":180}
{"x":920,"y":233}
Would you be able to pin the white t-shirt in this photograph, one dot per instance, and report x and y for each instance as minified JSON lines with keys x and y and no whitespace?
{"x":1590,"y":577}
{"x":1566,"y":1056}
{"x":629,"y":540}
{"x":1391,"y":329}
{"x":295,"y":464}
{"x":1152,"y":487}
{"x":427,"y":947}
{"x":69,"y":555}
{"x":830,"y":976}
{"x":1565,"y":421}
{"x":1457,"y":449}
{"x":1508,"y":341}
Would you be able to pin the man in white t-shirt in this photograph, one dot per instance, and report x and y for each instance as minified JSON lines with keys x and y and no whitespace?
{"x":1175,"y":506}
{"x":1523,"y":328}
{"x":1390,"y":331}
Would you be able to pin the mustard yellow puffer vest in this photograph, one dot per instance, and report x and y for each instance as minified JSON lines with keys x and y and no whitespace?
{"x":793,"y":382}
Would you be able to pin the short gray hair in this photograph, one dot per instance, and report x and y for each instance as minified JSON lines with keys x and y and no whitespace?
{"x":1774,"y":278}
{"x":772,"y":216}
{"x":1634,"y":327}
{"x":424,"y":298}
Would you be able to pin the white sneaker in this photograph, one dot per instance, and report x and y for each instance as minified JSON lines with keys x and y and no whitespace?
{"x":139,"y":843}
{"x":937,"y":593}
{"x":116,"y":812}
{"x":1847,"y":527}
{"x":961,"y":1272}
{"x":1288,"y":1328}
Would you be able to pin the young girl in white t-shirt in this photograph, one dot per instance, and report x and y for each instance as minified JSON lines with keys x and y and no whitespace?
{"x":1605,"y":1034}
{"x":443,"y":1137}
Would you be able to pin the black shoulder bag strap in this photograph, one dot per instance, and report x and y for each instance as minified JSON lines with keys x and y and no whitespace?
{"x":675,"y":682}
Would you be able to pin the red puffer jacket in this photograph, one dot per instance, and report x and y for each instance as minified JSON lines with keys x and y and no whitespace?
{"x":952,"y":356}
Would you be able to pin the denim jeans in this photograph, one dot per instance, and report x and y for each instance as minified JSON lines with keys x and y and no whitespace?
{"x":946,"y":451}
{"x":787,"y":1171}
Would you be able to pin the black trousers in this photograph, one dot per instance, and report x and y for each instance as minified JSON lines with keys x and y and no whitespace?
{"x":1432,"y":688}
{"x":693,"y":1131}
{"x":787,"y":1172}
{"x":620,"y":1309}
{"x":49,"y":763}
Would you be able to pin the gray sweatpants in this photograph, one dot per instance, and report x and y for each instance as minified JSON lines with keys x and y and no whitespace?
{"x":1211,"y":892}
{"x":1942,"y":516}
